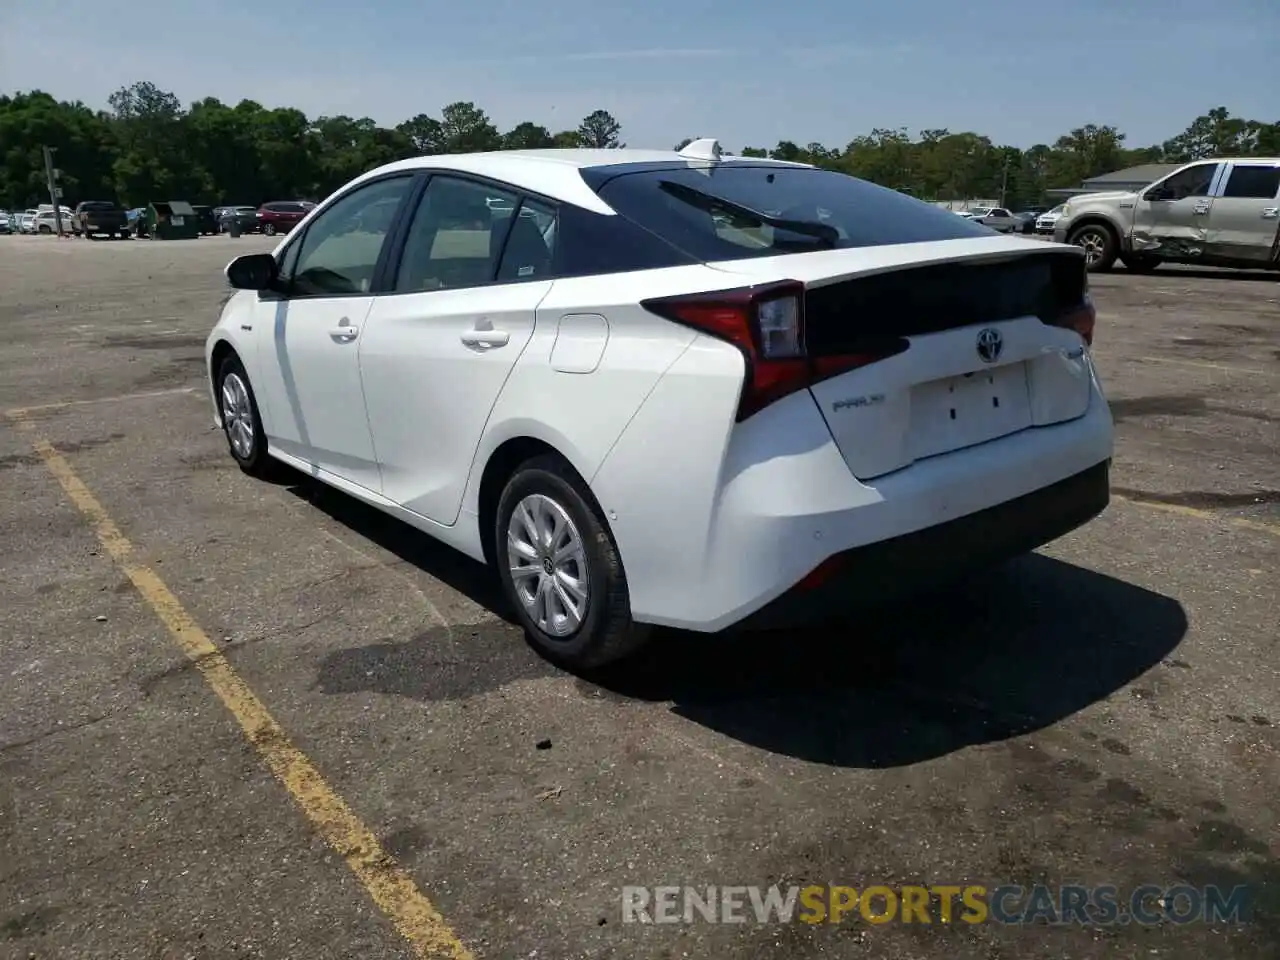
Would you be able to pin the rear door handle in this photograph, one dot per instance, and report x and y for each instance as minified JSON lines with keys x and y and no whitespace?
{"x":1270,"y":212}
{"x":345,"y":332}
{"x":486,"y":338}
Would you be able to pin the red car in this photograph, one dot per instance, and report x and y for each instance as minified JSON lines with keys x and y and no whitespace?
{"x":281,"y":216}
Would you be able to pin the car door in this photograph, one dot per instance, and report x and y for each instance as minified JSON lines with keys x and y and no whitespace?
{"x":1245,"y":217}
{"x":476,"y":262}
{"x":308,"y":334}
{"x":1172,"y":215}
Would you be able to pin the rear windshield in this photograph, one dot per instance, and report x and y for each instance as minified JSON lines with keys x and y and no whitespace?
{"x":97,"y":205}
{"x":737,"y":210}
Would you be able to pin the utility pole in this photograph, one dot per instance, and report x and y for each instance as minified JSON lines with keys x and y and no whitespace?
{"x":1004,"y":180}
{"x":55,"y":194}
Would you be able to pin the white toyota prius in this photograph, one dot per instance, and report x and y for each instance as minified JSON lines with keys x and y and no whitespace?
{"x":686,"y":389}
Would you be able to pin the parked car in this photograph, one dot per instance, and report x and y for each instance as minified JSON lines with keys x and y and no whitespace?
{"x":45,"y":222}
{"x":1026,"y":221}
{"x":7,"y":224}
{"x":246,"y":217}
{"x":95,"y":217}
{"x":1047,"y":220}
{"x":997,"y":218}
{"x":1217,"y":213}
{"x":27,"y":220}
{"x":639,"y":415}
{"x":280,"y":216}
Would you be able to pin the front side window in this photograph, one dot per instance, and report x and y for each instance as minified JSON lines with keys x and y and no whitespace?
{"x":1192,"y":182}
{"x":339,"y":253}
{"x":1253,"y":182}
{"x":456,"y":236}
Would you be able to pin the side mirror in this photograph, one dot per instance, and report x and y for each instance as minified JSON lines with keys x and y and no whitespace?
{"x":253,"y":271}
{"x":1158,"y":193}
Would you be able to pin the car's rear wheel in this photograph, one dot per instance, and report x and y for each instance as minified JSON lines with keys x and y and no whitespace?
{"x":240,"y":420}
{"x":1099,"y":245}
{"x":560,"y":569}
{"x":269,"y":229}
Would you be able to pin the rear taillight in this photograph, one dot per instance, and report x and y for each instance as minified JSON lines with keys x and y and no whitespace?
{"x":1079,"y":318}
{"x":766,"y":323}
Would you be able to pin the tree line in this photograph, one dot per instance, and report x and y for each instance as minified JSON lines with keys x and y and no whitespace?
{"x":147,"y":146}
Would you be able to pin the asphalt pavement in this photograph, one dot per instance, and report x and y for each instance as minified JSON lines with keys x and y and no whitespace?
{"x":248,"y":719}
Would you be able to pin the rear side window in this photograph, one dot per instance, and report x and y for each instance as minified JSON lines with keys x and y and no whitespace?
{"x":737,"y":210}
{"x":1253,"y":183}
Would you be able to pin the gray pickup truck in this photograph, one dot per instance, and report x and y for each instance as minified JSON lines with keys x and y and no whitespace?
{"x":97,"y":217}
{"x":1215,"y":213}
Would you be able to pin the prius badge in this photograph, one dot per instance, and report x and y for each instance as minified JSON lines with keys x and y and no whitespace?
{"x":990,"y":345}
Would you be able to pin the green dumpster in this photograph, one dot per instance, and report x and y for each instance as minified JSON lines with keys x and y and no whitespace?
{"x":172,"y":220}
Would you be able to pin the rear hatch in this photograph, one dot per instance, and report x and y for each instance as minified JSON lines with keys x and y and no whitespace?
{"x":967,"y":323}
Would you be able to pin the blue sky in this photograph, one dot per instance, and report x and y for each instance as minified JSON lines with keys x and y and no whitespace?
{"x":750,"y":72}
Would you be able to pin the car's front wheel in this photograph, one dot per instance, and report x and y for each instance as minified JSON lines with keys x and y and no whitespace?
{"x":560,"y":569}
{"x":240,"y":420}
{"x":1099,"y":245}
{"x":269,"y":229}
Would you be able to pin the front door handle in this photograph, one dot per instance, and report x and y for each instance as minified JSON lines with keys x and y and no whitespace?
{"x":1269,"y":213}
{"x":1200,"y":209}
{"x":486,"y":338}
{"x":345,"y":332}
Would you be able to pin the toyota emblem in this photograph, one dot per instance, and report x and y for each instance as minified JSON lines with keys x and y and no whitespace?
{"x":990,"y":344}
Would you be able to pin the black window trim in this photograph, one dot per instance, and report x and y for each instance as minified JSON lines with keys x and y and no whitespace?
{"x":415,"y":179}
{"x":521,"y":195}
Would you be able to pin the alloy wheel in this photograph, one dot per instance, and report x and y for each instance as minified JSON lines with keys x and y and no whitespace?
{"x":237,"y":416}
{"x":1094,"y":244}
{"x":548,"y":564}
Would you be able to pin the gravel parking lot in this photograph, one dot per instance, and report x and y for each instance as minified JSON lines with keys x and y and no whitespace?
{"x":1106,"y":711}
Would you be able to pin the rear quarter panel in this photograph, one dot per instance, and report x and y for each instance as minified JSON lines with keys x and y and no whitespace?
{"x":556,"y":393}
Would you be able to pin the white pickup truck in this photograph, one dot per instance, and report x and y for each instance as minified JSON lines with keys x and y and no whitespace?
{"x":1217,"y":213}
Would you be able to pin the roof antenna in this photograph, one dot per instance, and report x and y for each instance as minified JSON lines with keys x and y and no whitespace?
{"x":707,"y":148}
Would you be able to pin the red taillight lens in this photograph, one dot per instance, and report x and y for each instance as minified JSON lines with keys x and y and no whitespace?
{"x":766,"y":323}
{"x":1080,"y":319}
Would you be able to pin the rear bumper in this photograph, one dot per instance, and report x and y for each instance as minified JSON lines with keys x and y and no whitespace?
{"x":900,"y":567}
{"x":742,"y":523}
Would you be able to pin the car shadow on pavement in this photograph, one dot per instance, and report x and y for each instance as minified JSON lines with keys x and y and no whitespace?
{"x":1003,"y":653}
{"x":1008,"y":652}
{"x":437,"y":560}
{"x":1208,"y":273}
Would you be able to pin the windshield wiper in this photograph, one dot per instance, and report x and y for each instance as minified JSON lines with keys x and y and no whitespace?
{"x":711,"y":204}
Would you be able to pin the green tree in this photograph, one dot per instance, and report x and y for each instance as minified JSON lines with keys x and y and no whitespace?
{"x":465,"y":128}
{"x":599,"y":129}
{"x":527,"y":136}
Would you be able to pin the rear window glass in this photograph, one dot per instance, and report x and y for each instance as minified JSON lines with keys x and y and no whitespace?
{"x":737,"y":210}
{"x":97,"y":205}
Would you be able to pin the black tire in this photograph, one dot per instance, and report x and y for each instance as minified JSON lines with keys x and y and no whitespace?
{"x":1100,"y":245}
{"x":255,"y":461}
{"x":1140,"y":264}
{"x":606,"y":632}
{"x":269,"y":229}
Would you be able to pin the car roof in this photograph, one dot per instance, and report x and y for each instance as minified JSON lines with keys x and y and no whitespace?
{"x":556,"y":173}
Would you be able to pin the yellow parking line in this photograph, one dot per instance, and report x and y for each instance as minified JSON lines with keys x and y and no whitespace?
{"x":18,"y":413}
{"x":386,"y":882}
{"x":1246,"y":524}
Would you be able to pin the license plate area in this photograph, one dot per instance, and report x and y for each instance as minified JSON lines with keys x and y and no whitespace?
{"x":960,"y":411}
